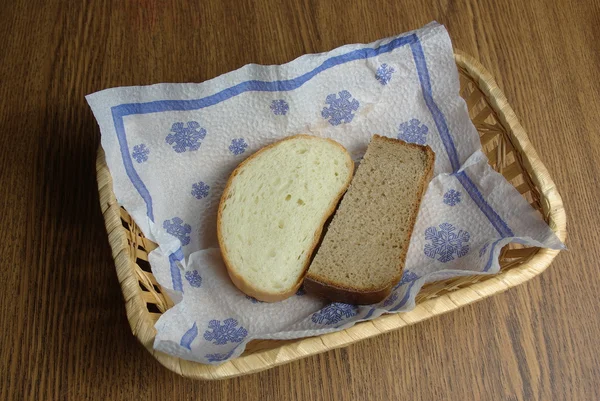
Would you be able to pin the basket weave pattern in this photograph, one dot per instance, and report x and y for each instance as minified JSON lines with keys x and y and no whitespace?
{"x":509,"y":152}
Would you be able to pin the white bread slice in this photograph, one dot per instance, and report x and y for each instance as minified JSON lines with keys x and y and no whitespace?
{"x":273,"y":209}
{"x":363,"y":252}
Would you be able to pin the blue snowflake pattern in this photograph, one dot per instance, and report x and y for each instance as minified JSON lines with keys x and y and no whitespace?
{"x":219,"y":357}
{"x":176,"y":228}
{"x":413,"y":131}
{"x":483,"y":249}
{"x":391,"y":299}
{"x":446,"y":242}
{"x":200,"y":190}
{"x":189,"y":337}
{"x":238,"y":146}
{"x":194,"y":278}
{"x":341,"y":109}
{"x":452,"y":197}
{"x":221,"y":334}
{"x":384,"y":74}
{"x":334,"y":313}
{"x":253,"y":300}
{"x":280,"y":107}
{"x":186,"y":138}
{"x":140,"y":153}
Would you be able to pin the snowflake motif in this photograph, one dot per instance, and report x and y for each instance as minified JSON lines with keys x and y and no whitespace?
{"x":413,"y":131}
{"x":219,"y":357}
{"x":200,"y":190}
{"x":280,"y":107}
{"x":391,"y":299}
{"x":300,"y":292}
{"x":193,"y":277}
{"x":238,"y":146}
{"x":483,"y":249}
{"x":140,"y":153}
{"x":334,"y":313}
{"x":408,"y":277}
{"x":189,"y":337}
{"x":452,"y":197}
{"x":384,"y":74}
{"x":186,"y":138}
{"x":340,"y":108}
{"x":227,"y":332}
{"x":176,"y":228}
{"x":253,"y":300}
{"x":446,"y":242}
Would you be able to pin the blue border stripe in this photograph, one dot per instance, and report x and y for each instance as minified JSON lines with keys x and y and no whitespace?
{"x":131,"y":173}
{"x":438,"y":116}
{"x":395,"y":308}
{"x":404,"y":299}
{"x":189,"y":336}
{"x":261,"y":86}
{"x":489,"y":262}
{"x":175,"y":272}
{"x":370,"y":313}
{"x":487,"y":210}
{"x":440,"y":122}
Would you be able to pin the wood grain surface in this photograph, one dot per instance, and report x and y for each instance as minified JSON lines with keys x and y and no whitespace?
{"x":65,"y":335}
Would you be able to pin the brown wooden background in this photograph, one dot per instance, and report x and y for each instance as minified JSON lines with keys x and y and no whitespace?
{"x":64,"y":331}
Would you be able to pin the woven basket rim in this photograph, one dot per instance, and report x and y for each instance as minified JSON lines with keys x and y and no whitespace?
{"x":143,"y":326}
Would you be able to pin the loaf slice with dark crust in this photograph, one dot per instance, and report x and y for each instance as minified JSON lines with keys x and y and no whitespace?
{"x":362,"y":255}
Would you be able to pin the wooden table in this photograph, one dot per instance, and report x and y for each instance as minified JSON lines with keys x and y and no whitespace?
{"x":65,"y":334}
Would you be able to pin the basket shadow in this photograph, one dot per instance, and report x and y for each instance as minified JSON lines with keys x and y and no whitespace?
{"x":74,"y":250}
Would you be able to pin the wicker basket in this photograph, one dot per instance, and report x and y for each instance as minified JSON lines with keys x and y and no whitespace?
{"x":509,"y":152}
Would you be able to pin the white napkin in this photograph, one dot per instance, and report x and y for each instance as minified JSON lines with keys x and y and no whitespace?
{"x":171,"y":147}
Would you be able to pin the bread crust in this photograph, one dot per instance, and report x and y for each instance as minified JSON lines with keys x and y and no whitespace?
{"x":236,"y":278}
{"x":339,"y":293}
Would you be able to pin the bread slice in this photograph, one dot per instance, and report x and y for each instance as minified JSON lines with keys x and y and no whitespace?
{"x":273,"y":209}
{"x":362,"y":254}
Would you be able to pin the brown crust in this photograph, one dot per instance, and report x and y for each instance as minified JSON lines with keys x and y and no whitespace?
{"x":345,"y":295}
{"x":339,"y":293}
{"x":236,"y":278}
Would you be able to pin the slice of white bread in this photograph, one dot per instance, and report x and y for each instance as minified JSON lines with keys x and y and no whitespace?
{"x":363,"y":251}
{"x":273,"y":209}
